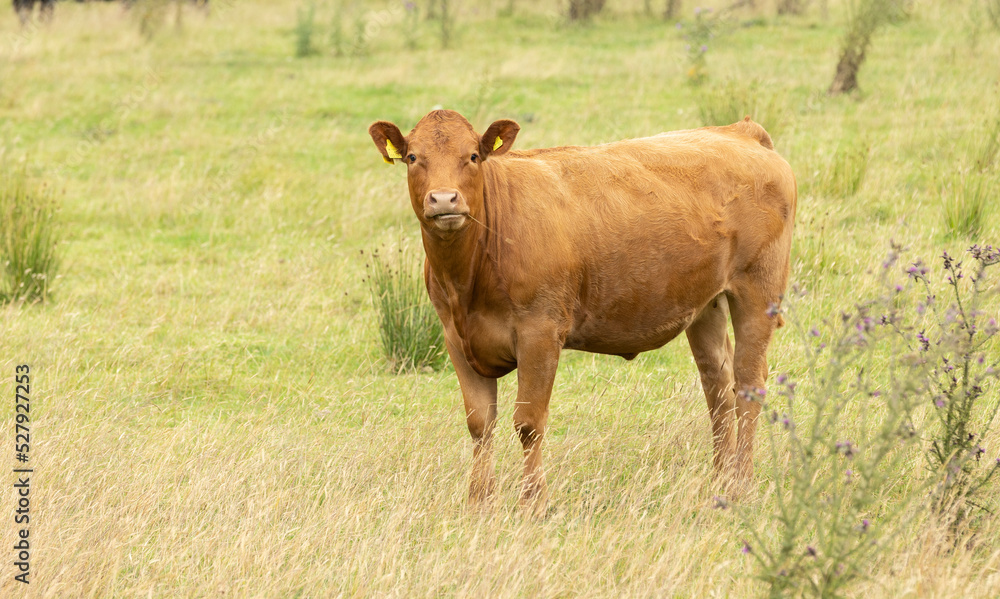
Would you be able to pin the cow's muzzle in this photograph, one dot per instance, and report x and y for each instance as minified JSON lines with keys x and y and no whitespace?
{"x":446,"y":208}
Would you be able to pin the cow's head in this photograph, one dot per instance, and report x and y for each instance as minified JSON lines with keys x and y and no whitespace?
{"x":444,"y":158}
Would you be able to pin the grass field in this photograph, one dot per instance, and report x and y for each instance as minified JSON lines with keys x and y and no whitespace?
{"x":211,"y":415}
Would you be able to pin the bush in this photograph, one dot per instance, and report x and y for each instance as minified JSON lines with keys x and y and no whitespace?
{"x":304,"y":31}
{"x":28,"y":238}
{"x":409,"y":329}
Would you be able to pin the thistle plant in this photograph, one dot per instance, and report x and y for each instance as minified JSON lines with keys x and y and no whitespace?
{"x":833,"y":477}
{"x":959,"y":359}
{"x":697,"y":36}
{"x":411,"y":25}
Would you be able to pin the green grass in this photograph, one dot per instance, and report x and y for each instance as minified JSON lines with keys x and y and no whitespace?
{"x":212,"y":412}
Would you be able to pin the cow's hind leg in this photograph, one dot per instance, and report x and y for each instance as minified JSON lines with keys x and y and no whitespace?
{"x":713,"y":353}
{"x":752,"y":303}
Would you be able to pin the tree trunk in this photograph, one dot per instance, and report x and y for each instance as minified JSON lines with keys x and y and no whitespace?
{"x":672,"y":9}
{"x":846,"y":77}
{"x":870,"y":15}
{"x":584,"y":9}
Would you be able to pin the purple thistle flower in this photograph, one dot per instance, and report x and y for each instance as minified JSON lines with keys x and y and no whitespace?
{"x":991,"y":328}
{"x":814,"y":332}
{"x":846,"y":447}
{"x":704,"y":48}
{"x":810,"y":550}
{"x":925,"y":343}
{"x":864,"y":525}
{"x":746,"y":548}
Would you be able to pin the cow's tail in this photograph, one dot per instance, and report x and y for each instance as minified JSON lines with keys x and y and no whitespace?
{"x":751,"y":129}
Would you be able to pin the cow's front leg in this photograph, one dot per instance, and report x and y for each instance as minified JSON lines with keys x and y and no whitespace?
{"x":538,"y":350}
{"x":480,"y":396}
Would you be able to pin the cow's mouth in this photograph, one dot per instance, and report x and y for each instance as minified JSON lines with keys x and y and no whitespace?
{"x":450,"y":221}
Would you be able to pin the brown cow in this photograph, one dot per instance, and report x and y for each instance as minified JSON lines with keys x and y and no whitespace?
{"x":614,"y":249}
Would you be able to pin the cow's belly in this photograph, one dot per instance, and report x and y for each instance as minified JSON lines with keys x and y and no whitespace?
{"x":641,"y":316}
{"x":627,"y":336}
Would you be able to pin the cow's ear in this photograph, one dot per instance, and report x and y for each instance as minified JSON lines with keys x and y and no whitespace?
{"x":389,"y":141}
{"x":498,"y":138}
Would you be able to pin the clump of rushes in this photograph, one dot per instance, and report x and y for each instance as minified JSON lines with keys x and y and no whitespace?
{"x":834,"y":496}
{"x":28,"y":238}
{"x":409,"y":329}
{"x":734,"y":99}
{"x":959,"y":357}
{"x":845,"y":172}
{"x":966,"y":200}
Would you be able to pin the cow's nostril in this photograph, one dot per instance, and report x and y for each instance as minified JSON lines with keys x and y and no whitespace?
{"x":444,"y":197}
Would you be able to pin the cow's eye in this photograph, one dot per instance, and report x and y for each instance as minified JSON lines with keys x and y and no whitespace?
{"x":474,"y":157}
{"x":412,"y":158}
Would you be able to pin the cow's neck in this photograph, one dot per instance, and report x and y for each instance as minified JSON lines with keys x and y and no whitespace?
{"x":453,"y":260}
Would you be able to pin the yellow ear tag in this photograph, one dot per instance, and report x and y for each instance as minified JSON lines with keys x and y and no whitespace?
{"x":391,"y":150}
{"x":498,"y":143}
{"x":387,"y":160}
